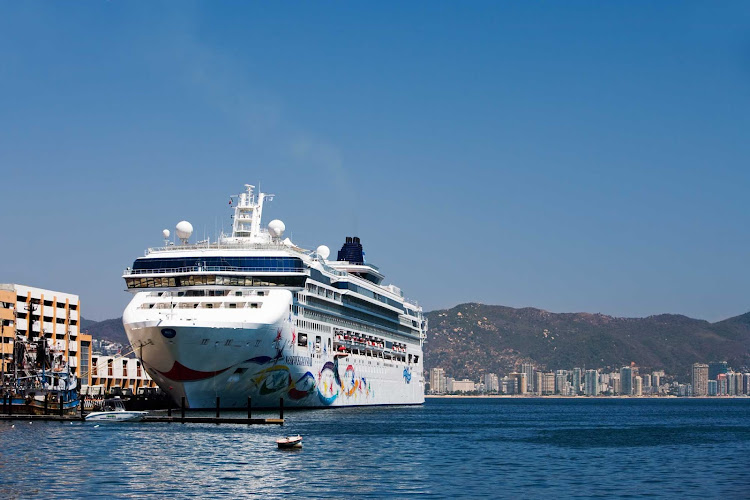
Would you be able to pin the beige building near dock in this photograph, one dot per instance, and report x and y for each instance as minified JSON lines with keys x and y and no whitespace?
{"x":36,"y":313}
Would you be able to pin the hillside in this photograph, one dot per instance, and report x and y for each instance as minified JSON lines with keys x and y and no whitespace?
{"x":471,"y":339}
{"x":109,"y":329}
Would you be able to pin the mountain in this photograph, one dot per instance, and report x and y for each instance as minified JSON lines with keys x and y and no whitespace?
{"x":471,"y":339}
{"x":109,"y":329}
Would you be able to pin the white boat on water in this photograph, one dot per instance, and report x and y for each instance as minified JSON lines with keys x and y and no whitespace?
{"x":290,"y":442}
{"x":114,"y":411}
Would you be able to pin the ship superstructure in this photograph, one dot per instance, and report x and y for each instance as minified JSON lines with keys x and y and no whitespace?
{"x":254,"y":315}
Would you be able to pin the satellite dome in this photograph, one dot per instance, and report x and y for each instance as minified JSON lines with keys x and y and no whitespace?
{"x":276,"y":228}
{"x":323,"y":252}
{"x":165,"y":233}
{"x":184,"y":229}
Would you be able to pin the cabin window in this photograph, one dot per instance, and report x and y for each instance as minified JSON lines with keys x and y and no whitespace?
{"x":317,"y":343}
{"x":302,"y":339}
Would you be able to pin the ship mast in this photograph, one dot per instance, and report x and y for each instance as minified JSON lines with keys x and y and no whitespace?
{"x":248,"y":213}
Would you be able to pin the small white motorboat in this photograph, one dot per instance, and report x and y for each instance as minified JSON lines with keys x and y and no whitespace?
{"x":114,"y":411}
{"x":290,"y":442}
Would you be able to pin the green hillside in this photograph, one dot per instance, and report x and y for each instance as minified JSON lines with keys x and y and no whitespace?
{"x":471,"y":339}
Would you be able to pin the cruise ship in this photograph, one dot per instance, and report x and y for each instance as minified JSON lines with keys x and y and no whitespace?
{"x":254,"y":315}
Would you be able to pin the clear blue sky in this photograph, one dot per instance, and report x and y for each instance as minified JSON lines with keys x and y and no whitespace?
{"x":572,"y":156}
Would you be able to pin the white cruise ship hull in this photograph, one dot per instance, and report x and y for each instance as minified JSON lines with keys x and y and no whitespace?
{"x":205,"y":355}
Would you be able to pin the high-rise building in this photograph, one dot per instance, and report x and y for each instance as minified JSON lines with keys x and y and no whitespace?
{"x":491,"y":383}
{"x":626,"y":380}
{"x":577,"y":380}
{"x":520,"y":386}
{"x":717,"y":367}
{"x":712,"y":388}
{"x":722,"y":386}
{"x":561,"y":382}
{"x":528,"y":369}
{"x":437,"y":381}
{"x":638,"y":385}
{"x":700,"y":379}
{"x":592,"y":383}
{"x":615,"y":383}
{"x":656,"y":380}
{"x":538,"y":383}
{"x":36,"y":313}
{"x":548,"y":383}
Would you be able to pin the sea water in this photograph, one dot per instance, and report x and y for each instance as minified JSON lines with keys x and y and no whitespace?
{"x":468,"y":447}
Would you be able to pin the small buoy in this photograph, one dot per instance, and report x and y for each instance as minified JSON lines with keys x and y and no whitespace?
{"x":31,"y":423}
{"x":71,"y":423}
{"x":13,"y":426}
{"x":97,"y":425}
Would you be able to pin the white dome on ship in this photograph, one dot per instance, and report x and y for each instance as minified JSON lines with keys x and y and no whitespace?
{"x":184,"y":230}
{"x":276,"y":228}
{"x":323,"y":252}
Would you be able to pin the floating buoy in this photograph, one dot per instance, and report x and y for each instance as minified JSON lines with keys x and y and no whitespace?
{"x":13,"y":426}
{"x":97,"y":425}
{"x":31,"y":423}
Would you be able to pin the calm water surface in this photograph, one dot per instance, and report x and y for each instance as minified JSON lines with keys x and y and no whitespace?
{"x":488,"y":448}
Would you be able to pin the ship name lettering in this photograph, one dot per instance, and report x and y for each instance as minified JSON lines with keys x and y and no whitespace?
{"x":299,"y":360}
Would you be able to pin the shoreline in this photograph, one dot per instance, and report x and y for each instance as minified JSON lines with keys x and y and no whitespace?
{"x":559,"y":396}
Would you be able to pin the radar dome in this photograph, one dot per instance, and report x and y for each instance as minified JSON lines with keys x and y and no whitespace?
{"x":276,"y":228}
{"x":165,"y":233}
{"x":323,"y":252}
{"x":184,"y":229}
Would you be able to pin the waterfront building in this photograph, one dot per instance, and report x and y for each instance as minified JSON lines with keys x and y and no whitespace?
{"x":548,"y":383}
{"x":746,"y":383}
{"x":646,"y":383}
{"x":113,"y":372}
{"x":491,"y":383}
{"x":437,"y":381}
{"x":721,"y":384}
{"x":626,"y":380}
{"x":615,"y":383}
{"x":538,"y":383}
{"x":700,"y":379}
{"x":712,"y":388}
{"x":528,"y":369}
{"x":520,"y":385}
{"x":561,"y":382}
{"x":36,"y":313}
{"x":638,"y":385}
{"x":715,"y":368}
{"x":577,"y":380}
{"x":685,"y":390}
{"x":656,"y":379}
{"x":592,"y":383}
{"x":464,"y":385}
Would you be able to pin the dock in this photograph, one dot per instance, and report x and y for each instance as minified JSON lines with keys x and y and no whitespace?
{"x":182,"y":418}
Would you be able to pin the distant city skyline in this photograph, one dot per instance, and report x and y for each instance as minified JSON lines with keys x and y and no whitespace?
{"x":566,"y":156}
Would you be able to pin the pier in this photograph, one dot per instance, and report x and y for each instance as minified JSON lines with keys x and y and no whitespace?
{"x":182,"y":418}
